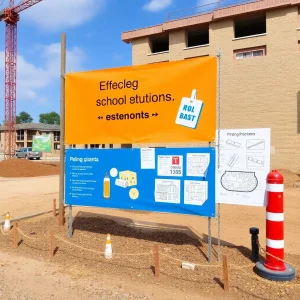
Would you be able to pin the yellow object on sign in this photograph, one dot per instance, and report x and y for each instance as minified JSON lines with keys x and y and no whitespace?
{"x":158,"y":103}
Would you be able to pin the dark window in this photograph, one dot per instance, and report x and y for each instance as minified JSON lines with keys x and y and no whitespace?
{"x":126,"y":145}
{"x":250,"y":26}
{"x":94,"y":146}
{"x":159,"y":44}
{"x":197,"y":37}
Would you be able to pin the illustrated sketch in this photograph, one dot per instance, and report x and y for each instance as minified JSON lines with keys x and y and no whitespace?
{"x":255,"y":145}
{"x":237,"y":181}
{"x":255,"y":162}
{"x":243,"y":165}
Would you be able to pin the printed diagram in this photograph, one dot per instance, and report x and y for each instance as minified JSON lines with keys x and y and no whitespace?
{"x":126,"y":179}
{"x":232,"y":161}
{"x":197,"y":164}
{"x":238,"y":181}
{"x":255,"y":162}
{"x":233,"y":143}
{"x":167,"y":191}
{"x":255,"y":145}
{"x":195,"y":192}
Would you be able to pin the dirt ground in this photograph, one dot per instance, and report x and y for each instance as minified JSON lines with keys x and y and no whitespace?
{"x":27,"y":196}
{"x":80,"y":270}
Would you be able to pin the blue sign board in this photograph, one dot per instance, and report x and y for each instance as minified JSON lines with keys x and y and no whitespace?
{"x":170,"y":180}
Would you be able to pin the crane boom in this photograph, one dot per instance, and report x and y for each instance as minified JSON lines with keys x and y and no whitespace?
{"x":24,"y":5}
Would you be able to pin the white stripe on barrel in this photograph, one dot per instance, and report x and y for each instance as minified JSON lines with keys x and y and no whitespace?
{"x":277,"y":217}
{"x":275,"y":244}
{"x":275,"y":188}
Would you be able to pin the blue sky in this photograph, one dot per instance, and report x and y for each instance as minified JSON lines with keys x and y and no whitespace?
{"x":93,"y":29}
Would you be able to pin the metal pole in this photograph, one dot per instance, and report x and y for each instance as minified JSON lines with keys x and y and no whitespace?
{"x":62,"y":131}
{"x":218,"y":163}
{"x":209,"y":240}
{"x":70,"y":222}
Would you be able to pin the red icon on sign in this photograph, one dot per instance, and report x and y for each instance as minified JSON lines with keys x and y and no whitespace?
{"x":175,"y":160}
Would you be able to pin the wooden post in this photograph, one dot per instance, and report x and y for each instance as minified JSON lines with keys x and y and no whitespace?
{"x":54,"y":207}
{"x":225,"y":273}
{"x":16,"y":240}
{"x":51,"y":244}
{"x":156,"y":261}
{"x":62,"y":132}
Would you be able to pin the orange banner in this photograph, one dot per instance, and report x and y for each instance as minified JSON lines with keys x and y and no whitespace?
{"x":157,"y":103}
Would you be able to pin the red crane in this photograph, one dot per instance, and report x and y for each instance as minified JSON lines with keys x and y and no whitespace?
{"x":10,"y":15}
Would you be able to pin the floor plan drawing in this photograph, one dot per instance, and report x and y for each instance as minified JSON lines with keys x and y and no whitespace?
{"x":197,"y":164}
{"x":236,"y":181}
{"x":255,"y":144}
{"x":167,"y":191}
{"x":195,"y":192}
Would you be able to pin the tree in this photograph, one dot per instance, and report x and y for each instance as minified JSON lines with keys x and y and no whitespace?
{"x":23,"y":117}
{"x":51,"y":118}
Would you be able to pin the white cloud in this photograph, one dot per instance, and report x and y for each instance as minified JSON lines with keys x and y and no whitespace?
{"x":55,"y":15}
{"x":31,"y":79}
{"x":157,"y":5}
{"x":208,"y":4}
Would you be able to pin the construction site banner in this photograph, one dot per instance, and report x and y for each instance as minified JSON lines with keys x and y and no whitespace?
{"x":170,"y":180}
{"x":42,"y":143}
{"x":156,"y":103}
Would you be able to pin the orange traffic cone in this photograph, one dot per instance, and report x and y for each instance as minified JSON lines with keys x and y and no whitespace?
{"x":7,"y":226}
{"x":108,"y":248}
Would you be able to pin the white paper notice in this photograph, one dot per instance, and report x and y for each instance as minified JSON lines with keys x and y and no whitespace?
{"x":244,"y":163}
{"x":147,"y":158}
{"x":169,"y":165}
{"x":167,"y":190}
{"x":197,"y":164}
{"x":189,"y":111}
{"x":195,"y":192}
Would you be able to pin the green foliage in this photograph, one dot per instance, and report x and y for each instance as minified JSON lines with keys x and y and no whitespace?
{"x":51,"y":118}
{"x":23,"y":117}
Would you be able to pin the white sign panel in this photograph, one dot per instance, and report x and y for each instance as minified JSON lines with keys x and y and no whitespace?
{"x":243,"y":163}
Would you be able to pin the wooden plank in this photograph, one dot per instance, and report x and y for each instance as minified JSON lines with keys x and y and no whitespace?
{"x":225,"y":273}
{"x":51,"y":244}
{"x":16,"y":240}
{"x":54,"y":207}
{"x":156,"y":261}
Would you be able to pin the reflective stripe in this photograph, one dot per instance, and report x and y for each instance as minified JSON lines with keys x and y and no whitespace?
{"x":275,"y":244}
{"x":277,"y":217}
{"x":271,"y":187}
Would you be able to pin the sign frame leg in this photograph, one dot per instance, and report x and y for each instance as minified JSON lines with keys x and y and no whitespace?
{"x":70,"y":222}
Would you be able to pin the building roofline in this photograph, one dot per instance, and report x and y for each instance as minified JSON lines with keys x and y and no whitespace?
{"x":35,"y":126}
{"x":215,"y":15}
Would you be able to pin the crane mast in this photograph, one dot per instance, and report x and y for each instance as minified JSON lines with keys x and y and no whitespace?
{"x":10,"y":16}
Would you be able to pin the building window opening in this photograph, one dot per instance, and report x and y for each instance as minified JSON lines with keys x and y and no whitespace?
{"x":20,"y":135}
{"x":253,"y":25}
{"x":94,"y":146}
{"x":56,"y":136}
{"x":159,"y":44}
{"x":249,"y":53}
{"x":197,"y":37}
